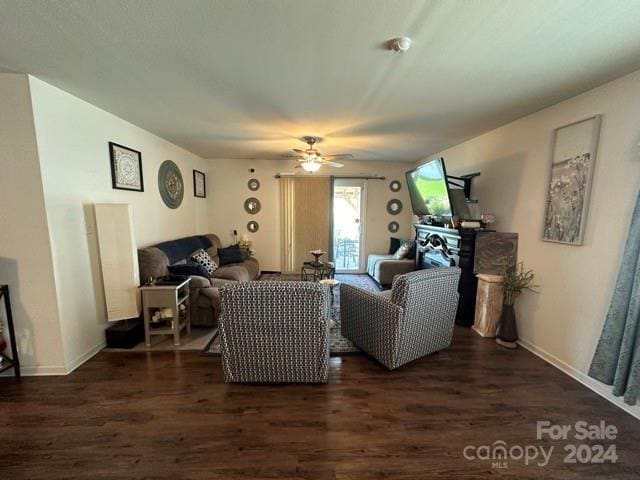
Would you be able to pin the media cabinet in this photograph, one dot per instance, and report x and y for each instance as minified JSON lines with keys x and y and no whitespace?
{"x":451,"y":247}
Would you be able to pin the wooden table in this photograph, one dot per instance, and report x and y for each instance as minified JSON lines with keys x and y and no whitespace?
{"x":166,"y":296}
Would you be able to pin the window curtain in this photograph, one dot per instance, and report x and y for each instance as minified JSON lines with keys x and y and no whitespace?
{"x":305,"y":219}
{"x":617,"y":357}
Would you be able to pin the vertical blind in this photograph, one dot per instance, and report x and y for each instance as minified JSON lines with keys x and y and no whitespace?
{"x":305,"y":219}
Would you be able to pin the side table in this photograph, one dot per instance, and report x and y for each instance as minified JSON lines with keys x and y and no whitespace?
{"x":166,"y":296}
{"x":7,"y":362}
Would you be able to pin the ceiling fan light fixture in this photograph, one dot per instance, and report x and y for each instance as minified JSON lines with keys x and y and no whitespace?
{"x":310,"y":166}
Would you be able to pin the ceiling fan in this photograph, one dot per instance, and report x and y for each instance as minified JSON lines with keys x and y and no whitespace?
{"x":311,"y":159}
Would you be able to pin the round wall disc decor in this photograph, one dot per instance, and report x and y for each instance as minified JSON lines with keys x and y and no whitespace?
{"x":252,"y":205}
{"x":394,"y":207}
{"x":170,"y":184}
{"x":253,"y":226}
{"x":393,"y":227}
{"x":253,"y":184}
{"x":395,"y":186}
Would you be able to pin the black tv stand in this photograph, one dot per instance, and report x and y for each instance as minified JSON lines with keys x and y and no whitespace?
{"x":451,"y":247}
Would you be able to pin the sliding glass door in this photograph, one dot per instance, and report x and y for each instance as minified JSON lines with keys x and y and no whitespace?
{"x":349,"y":200}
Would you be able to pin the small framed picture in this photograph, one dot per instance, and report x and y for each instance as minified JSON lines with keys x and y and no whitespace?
{"x":199,"y":186}
{"x":126,"y":168}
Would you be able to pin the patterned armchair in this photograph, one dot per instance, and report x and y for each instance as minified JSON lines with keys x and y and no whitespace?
{"x":414,"y":319}
{"x":274,"y":332}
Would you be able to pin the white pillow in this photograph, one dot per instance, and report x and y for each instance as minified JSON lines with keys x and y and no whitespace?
{"x":402,"y":252}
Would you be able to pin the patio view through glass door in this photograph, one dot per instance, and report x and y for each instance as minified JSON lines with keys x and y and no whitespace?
{"x":349,"y":199}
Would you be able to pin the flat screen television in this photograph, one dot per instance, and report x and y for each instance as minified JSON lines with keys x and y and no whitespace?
{"x":429,"y":190}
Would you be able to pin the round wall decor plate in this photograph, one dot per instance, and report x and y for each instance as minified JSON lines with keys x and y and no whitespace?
{"x":394,"y":207}
{"x":395,"y":186}
{"x":393,"y":227}
{"x":252,"y":205}
{"x":253,"y":184}
{"x":253,"y":226}
{"x":170,"y":184}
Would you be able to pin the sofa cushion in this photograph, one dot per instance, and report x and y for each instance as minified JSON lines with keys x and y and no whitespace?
{"x":232,"y":254}
{"x":188,"y":268}
{"x":199,"y":282}
{"x":176,"y":250}
{"x":396,"y":243}
{"x":153,"y":263}
{"x":219,"y":282}
{"x":202,"y":257}
{"x":215,"y":245}
{"x":237,"y":272}
{"x":253,"y":267}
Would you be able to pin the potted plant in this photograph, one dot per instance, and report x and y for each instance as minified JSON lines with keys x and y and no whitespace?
{"x":515,"y":280}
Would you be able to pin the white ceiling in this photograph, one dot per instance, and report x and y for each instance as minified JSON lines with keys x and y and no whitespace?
{"x":244,"y":79}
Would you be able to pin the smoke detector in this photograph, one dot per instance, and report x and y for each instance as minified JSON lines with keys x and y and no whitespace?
{"x":399,"y":44}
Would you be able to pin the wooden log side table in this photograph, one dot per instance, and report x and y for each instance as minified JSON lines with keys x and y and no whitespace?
{"x":7,"y":362}
{"x":166,"y":296}
{"x":488,"y":305}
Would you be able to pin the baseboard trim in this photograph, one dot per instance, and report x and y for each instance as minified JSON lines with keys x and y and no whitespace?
{"x":85,"y":356}
{"x":584,"y":379}
{"x":41,"y":370}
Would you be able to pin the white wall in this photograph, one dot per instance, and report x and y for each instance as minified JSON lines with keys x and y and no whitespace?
{"x":227,"y":190}
{"x":72,"y":138}
{"x":564,"y":321}
{"x":25,"y":251}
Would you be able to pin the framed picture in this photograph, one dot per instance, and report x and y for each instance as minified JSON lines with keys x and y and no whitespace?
{"x":199,"y":186}
{"x":126,"y":168}
{"x":573,"y":156}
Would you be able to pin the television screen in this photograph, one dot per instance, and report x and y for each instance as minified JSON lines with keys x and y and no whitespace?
{"x":428,"y":189}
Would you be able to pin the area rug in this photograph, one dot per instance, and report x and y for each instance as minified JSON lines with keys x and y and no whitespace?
{"x":338,"y":345}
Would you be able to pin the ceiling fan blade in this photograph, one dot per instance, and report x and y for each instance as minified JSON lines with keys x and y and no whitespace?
{"x":297,"y":150}
{"x":334,"y":164}
{"x":340,"y":155}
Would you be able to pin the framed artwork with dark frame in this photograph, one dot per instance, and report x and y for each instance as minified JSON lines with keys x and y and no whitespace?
{"x":199,"y":184}
{"x":126,"y":168}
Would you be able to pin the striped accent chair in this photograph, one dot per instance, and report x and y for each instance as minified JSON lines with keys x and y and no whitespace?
{"x":413,"y":319}
{"x":273,"y":332}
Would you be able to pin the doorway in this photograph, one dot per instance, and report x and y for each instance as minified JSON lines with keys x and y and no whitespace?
{"x":349,"y":201}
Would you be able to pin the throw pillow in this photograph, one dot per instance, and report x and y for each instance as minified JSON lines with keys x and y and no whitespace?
{"x":403,"y":251}
{"x":232,"y":254}
{"x":205,"y":260}
{"x":188,"y":268}
{"x":394,"y":245}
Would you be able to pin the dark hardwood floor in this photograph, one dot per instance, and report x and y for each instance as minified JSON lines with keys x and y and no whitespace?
{"x":170,"y":416}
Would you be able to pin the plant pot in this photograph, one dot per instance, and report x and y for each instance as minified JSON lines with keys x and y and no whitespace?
{"x":507,"y":333}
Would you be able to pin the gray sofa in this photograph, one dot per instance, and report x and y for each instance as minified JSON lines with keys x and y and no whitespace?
{"x":383,"y":268}
{"x":205,"y":297}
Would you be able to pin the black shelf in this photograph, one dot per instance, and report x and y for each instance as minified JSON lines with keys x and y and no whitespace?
{"x":8,"y":362}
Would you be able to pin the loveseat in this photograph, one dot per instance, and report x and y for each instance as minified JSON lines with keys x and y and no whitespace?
{"x":154,"y":262}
